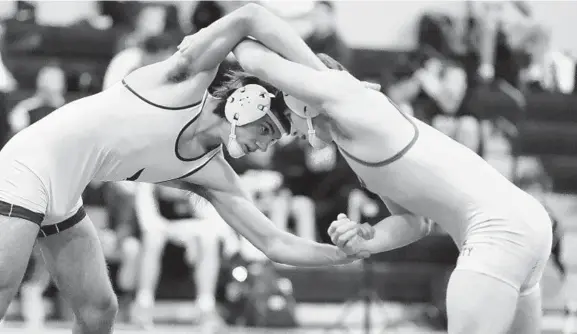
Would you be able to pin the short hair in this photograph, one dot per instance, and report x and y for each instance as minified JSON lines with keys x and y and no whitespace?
{"x":235,"y":79}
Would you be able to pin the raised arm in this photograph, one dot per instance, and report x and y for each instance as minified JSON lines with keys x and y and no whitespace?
{"x":207,"y":48}
{"x":313,"y":86}
{"x":236,"y":208}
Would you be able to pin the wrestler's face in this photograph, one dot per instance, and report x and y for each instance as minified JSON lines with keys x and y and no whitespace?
{"x":258,"y":135}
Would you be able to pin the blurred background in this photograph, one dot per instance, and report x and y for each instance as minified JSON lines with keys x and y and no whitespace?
{"x":497,"y":76}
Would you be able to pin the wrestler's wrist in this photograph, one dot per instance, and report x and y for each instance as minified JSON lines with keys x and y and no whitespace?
{"x":342,"y":257}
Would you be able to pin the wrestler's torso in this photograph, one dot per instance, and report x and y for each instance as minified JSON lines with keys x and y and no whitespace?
{"x":410,"y":163}
{"x":115,"y":135}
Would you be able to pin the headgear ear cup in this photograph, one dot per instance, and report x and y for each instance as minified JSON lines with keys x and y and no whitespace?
{"x":305,"y":111}
{"x":246,"y":105}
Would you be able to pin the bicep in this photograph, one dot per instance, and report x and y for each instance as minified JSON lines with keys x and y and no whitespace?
{"x":300,"y":81}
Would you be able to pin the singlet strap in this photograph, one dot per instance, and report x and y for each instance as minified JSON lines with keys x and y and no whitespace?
{"x":186,"y":126}
{"x":155,"y":104}
{"x":395,"y":157}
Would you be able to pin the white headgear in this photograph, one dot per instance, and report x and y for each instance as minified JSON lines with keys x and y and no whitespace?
{"x":305,"y":111}
{"x":246,"y":105}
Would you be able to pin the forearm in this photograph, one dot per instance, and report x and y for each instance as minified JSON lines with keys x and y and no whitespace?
{"x":397,"y":231}
{"x":292,"y":250}
{"x":276,"y":244}
{"x":278,"y":36}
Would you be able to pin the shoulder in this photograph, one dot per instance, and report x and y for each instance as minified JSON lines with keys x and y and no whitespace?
{"x":345,"y":88}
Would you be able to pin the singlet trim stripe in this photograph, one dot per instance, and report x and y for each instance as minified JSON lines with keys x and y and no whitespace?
{"x":196,"y":169}
{"x":395,"y":157}
{"x":157,"y":105}
{"x":180,"y":157}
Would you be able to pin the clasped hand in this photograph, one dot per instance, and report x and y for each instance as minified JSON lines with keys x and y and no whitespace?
{"x":350,"y":236}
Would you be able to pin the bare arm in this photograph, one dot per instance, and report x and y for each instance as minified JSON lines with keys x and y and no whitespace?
{"x":206,"y":49}
{"x":313,"y":86}
{"x":398,"y":230}
{"x":236,"y":208}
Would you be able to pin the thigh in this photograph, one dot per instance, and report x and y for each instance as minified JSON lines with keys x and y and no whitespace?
{"x":16,"y":244}
{"x":528,"y":315}
{"x":479,"y":304}
{"x":76,"y":262}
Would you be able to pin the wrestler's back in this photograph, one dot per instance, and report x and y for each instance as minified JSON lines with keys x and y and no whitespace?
{"x":436,"y":177}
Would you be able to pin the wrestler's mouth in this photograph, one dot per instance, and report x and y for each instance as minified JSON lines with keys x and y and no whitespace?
{"x":247,"y":149}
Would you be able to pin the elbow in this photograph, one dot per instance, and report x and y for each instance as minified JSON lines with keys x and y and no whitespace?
{"x":248,"y":14}
{"x":275,"y":249}
{"x":421,"y":225}
{"x":252,"y":58}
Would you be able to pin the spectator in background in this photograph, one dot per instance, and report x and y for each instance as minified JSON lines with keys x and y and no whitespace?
{"x":321,"y":176}
{"x":32,"y":289}
{"x":490,"y":28}
{"x":7,"y":85}
{"x":266,"y":186}
{"x":549,"y":69}
{"x":168,"y":215}
{"x":49,"y":96}
{"x":439,"y":94}
{"x":205,"y":13}
{"x":150,"y":20}
{"x":325,"y":37}
{"x":152,"y":49}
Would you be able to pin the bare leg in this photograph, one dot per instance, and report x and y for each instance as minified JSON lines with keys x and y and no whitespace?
{"x":479,"y":304}
{"x":76,"y":262}
{"x":16,"y":243}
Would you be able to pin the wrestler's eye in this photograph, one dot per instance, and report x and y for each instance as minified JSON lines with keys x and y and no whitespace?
{"x":264,"y":130}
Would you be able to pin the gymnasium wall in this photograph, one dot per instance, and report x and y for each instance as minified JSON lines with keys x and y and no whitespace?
{"x":363,"y":24}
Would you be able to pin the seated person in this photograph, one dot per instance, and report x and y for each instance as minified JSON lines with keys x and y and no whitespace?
{"x":49,"y":96}
{"x":276,"y":201}
{"x":438,"y":93}
{"x":167,"y":215}
{"x":32,"y":289}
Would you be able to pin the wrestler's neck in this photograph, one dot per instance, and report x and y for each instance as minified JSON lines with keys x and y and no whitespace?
{"x":326,"y":128}
{"x":212,"y":129}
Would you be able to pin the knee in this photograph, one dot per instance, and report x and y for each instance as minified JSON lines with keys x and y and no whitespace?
{"x":469,"y":125}
{"x":98,"y":312}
